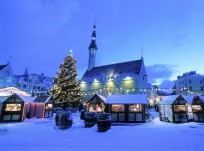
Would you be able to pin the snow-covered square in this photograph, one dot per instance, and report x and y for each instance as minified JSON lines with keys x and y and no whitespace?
{"x":44,"y":135}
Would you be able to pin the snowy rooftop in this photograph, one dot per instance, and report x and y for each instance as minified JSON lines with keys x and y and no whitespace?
{"x":189,"y":98}
{"x":102,"y":98}
{"x":127,"y":99}
{"x":169,"y":99}
{"x":114,"y":69}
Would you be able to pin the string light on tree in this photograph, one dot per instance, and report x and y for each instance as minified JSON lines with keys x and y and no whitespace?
{"x":66,"y":90}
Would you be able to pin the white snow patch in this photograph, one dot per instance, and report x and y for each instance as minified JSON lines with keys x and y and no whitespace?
{"x":43,"y":135}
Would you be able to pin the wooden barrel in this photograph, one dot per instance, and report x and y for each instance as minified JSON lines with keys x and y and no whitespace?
{"x":89,"y":119}
{"x":82,"y":115}
{"x":103,"y":121}
{"x":65,"y":120}
{"x":57,"y":117}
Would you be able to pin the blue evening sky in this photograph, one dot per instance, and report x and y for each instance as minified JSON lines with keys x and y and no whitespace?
{"x":38,"y":34}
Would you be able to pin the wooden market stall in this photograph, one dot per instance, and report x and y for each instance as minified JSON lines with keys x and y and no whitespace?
{"x":41,"y":107}
{"x":196,"y":104}
{"x":197,"y":107}
{"x":12,"y":109}
{"x":127,"y":108}
{"x":96,"y":104}
{"x":173,"y":108}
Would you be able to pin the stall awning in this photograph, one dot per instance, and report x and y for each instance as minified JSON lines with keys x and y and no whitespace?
{"x":127,"y":99}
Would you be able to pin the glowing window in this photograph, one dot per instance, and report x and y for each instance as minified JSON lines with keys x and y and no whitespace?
{"x":118,"y":108}
{"x":49,"y":106}
{"x":179,"y":108}
{"x":13,"y":107}
{"x":135,"y":108}
{"x":196,"y":108}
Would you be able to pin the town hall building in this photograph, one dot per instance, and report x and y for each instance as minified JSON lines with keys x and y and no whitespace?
{"x":119,"y":78}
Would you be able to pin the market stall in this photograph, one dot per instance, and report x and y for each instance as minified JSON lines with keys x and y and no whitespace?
{"x":12,"y":109}
{"x":197,"y":106}
{"x":41,"y":107}
{"x":96,"y":104}
{"x":127,"y":108}
{"x":173,"y":108}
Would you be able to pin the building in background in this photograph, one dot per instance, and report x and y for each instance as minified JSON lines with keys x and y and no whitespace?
{"x":34,"y":84}
{"x":189,"y":83}
{"x":119,"y":78}
{"x":7,"y":77}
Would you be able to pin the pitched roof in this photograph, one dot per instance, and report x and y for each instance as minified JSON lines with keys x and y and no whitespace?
{"x":2,"y":66}
{"x":169,"y":99}
{"x":42,"y":99}
{"x":114,"y":69}
{"x":127,"y":99}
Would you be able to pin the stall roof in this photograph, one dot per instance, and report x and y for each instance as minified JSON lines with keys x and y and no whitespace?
{"x":169,"y":99}
{"x":102,"y":98}
{"x":11,"y":90}
{"x":202,"y":97}
{"x":26,"y":99}
{"x":127,"y":99}
{"x":189,"y":98}
{"x":2,"y":99}
{"x":42,"y":99}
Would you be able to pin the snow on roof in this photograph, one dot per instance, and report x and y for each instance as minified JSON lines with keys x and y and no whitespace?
{"x":2,"y":99}
{"x":26,"y":99}
{"x":102,"y":98}
{"x":168,"y":99}
{"x":11,"y":90}
{"x":127,"y":99}
{"x":113,"y":69}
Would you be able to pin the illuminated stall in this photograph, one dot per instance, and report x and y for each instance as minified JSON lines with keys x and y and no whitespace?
{"x":41,"y":107}
{"x":197,"y":107}
{"x":127,"y":108}
{"x":12,"y":109}
{"x":96,"y":104}
{"x":174,"y":109}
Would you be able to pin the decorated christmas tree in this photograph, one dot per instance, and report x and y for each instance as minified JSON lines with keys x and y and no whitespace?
{"x":66,"y":90}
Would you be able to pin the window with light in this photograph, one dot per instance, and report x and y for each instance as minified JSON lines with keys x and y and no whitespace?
{"x":196,"y":108}
{"x":118,"y":108}
{"x":135,"y":108}
{"x":179,"y":108}
{"x":13,"y":107}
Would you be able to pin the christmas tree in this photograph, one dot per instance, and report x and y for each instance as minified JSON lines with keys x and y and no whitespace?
{"x":66,"y":89}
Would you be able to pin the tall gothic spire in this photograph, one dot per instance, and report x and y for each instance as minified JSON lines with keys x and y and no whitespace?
{"x":92,"y":49}
{"x":93,"y":39}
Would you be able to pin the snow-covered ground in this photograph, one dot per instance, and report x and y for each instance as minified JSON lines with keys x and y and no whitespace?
{"x":43,"y":135}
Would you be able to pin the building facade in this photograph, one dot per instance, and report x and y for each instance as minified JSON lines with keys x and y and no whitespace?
{"x":119,"y":78}
{"x":34,"y":84}
{"x":189,"y":83}
{"x":7,"y":77}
